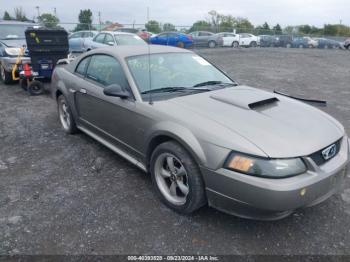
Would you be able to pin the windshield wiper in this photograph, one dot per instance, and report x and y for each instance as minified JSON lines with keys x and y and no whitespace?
{"x":214,"y":82}
{"x":171,"y":89}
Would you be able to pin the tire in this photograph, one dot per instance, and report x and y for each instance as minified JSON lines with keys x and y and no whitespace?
{"x":288,"y":45}
{"x":212,"y":44}
{"x":6,"y":77}
{"x":180,"y":45}
{"x":24,"y":84}
{"x":348,"y":47}
{"x":184,"y":175}
{"x":253,"y":44}
{"x":235,"y":44}
{"x":35,"y":88}
{"x":65,"y":116}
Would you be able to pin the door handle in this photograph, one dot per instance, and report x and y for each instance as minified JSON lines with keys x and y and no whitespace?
{"x":83,"y":91}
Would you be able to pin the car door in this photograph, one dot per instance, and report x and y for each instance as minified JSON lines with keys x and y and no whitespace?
{"x":109,"y":40}
{"x":203,"y":38}
{"x":98,"y":41}
{"x":106,"y":116}
{"x":172,"y":39}
{"x":162,"y":39}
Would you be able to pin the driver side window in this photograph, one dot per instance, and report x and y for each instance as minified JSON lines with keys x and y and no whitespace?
{"x":106,"y":70}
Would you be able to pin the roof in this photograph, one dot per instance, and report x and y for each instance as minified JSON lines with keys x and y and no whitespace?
{"x":117,"y":33}
{"x":11,"y":22}
{"x":112,"y":27}
{"x":126,"y":51}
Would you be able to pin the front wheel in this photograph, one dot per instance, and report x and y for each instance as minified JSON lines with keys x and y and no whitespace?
{"x":177,"y":178}
{"x":66,"y":116}
{"x":6,"y":77}
{"x":212,"y":44}
{"x":253,"y":44}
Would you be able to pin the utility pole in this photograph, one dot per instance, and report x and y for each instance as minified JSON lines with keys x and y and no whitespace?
{"x":38,"y":9}
{"x":54,"y":11}
{"x":99,"y":20}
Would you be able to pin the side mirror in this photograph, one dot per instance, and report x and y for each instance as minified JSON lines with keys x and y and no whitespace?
{"x":116,"y":91}
{"x":110,"y":43}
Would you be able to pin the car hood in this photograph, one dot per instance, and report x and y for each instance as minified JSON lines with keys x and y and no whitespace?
{"x":14,"y":42}
{"x":279,"y":126}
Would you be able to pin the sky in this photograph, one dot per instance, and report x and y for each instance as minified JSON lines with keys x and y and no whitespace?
{"x":185,"y":12}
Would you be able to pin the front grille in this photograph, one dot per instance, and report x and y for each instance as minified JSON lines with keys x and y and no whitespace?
{"x":318,"y":158}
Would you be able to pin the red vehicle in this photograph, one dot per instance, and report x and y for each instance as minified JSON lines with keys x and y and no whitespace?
{"x":140,"y":32}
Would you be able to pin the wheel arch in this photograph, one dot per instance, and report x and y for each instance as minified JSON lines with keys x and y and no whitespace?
{"x":182,"y":136}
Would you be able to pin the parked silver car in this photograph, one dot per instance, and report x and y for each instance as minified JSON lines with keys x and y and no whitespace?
{"x":203,"y":138}
{"x":12,"y":38}
{"x":206,"y":39}
{"x":107,"y":38}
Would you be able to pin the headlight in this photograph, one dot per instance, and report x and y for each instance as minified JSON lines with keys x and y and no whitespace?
{"x":265,"y":167}
{"x":12,"y":51}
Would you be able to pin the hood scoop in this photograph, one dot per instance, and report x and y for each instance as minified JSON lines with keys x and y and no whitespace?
{"x":247,"y":99}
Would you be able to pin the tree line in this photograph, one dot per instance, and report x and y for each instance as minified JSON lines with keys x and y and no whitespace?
{"x":215,"y":22}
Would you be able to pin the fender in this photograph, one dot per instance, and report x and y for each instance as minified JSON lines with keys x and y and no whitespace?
{"x":179,"y":133}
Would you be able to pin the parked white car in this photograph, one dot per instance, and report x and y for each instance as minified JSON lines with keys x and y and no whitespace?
{"x":230,"y":39}
{"x":249,"y":40}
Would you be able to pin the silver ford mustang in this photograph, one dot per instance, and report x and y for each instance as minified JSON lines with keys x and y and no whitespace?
{"x":203,"y":138}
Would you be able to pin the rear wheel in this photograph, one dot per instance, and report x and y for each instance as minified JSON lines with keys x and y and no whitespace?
{"x":180,"y":45}
{"x":6,"y":77}
{"x":35,"y":88}
{"x":212,"y":44}
{"x":66,"y":116}
{"x":176,"y":178}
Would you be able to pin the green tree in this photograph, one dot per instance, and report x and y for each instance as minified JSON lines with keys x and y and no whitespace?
{"x":169,"y":27}
{"x":304,"y":29}
{"x":48,"y":20}
{"x":200,"y":25}
{"x":227,"y":23}
{"x":153,"y":26}
{"x":243,"y":25}
{"x":20,"y":14}
{"x":7,"y":16}
{"x":277,"y":29}
{"x":85,"y":20}
{"x":263,"y":29}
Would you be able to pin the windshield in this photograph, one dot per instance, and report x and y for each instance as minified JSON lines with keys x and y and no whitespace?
{"x":173,"y":70}
{"x":129,"y":40}
{"x":12,"y":31}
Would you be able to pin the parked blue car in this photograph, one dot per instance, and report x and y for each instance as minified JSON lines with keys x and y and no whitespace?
{"x":78,"y":41}
{"x":173,"y":39}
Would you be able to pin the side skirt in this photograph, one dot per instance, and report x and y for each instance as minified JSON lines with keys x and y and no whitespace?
{"x":114,"y":149}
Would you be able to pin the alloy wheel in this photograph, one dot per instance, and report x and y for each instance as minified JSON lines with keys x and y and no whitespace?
{"x":64,"y":114}
{"x":3,"y":73}
{"x":171,"y":178}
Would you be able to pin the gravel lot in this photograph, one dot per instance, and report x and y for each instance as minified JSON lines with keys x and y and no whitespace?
{"x":62,"y":194}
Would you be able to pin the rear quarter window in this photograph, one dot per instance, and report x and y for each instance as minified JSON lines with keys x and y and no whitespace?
{"x":81,"y":68}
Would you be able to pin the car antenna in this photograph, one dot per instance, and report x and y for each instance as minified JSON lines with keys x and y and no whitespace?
{"x":149,"y":75}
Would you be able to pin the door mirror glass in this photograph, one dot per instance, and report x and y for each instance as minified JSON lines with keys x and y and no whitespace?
{"x":116,"y":91}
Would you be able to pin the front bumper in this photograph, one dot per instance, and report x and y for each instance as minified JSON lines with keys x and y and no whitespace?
{"x":270,"y":199}
{"x":9,"y":62}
